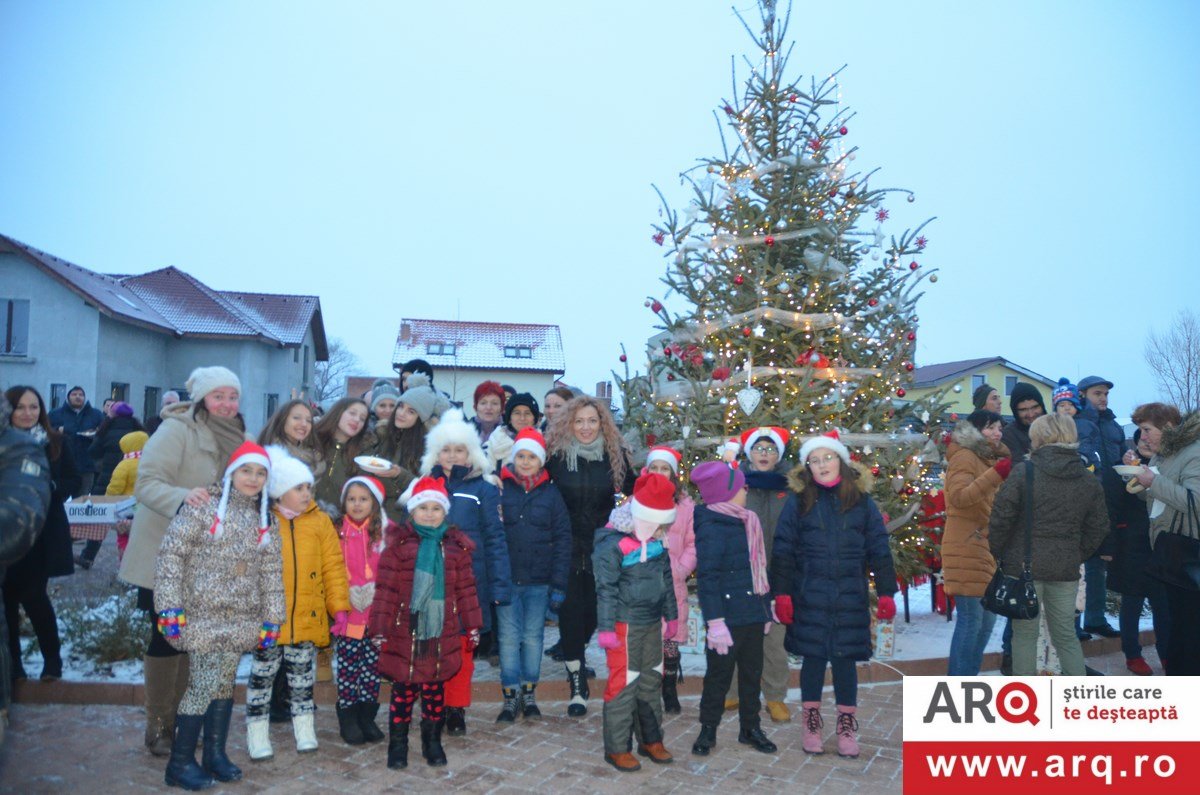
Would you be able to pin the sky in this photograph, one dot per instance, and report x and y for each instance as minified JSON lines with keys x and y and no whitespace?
{"x":496,"y":162}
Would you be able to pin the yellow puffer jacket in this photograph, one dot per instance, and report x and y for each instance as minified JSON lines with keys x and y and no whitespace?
{"x":314,"y":576}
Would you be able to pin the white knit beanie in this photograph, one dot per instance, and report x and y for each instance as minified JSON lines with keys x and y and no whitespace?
{"x":205,"y":379}
{"x":287,"y":472}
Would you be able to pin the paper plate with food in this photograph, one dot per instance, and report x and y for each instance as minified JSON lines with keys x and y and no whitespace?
{"x":1128,"y":470}
{"x":373,"y":464}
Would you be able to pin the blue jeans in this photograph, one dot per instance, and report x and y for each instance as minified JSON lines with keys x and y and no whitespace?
{"x":972,"y":629}
{"x":1095,"y":577}
{"x":522,"y":626}
{"x":1131,"y":614}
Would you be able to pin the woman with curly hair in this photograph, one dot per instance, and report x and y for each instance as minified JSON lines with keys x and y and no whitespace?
{"x":589,"y":461}
{"x":341,"y":437}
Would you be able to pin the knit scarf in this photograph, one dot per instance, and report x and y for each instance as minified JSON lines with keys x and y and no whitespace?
{"x":133,"y":454}
{"x":429,"y":582}
{"x":39,"y":434}
{"x":229,"y":435}
{"x":754,"y":540}
{"x":592,"y":451}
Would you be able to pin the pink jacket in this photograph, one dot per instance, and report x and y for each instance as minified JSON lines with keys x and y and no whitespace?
{"x":362,"y":565}
{"x":681,"y":544}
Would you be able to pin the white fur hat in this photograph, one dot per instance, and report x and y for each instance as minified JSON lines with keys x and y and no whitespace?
{"x":287,"y":472}
{"x":205,"y":379}
{"x":827,"y":441}
{"x":454,"y":429}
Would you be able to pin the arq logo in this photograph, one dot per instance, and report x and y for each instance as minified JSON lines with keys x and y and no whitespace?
{"x":1016,"y":702}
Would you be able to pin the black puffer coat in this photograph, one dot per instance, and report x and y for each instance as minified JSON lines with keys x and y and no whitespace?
{"x":106,"y":448}
{"x":588,"y":493}
{"x":538,"y":531}
{"x":822,"y":560}
{"x":51,"y":554}
{"x":24,"y":490}
{"x":724,"y":582}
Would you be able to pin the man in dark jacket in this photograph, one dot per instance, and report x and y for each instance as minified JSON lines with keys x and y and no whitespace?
{"x":78,"y":420}
{"x":1027,"y":405}
{"x":24,"y":499}
{"x":1094,"y":391}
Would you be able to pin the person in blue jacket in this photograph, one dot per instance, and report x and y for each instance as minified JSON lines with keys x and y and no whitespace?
{"x":1094,"y":391}
{"x":830,"y":539}
{"x":537,"y":528}
{"x":453,"y":452}
{"x":1066,"y":400}
{"x":78,"y":420}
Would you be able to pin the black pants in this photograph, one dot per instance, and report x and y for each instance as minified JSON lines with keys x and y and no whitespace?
{"x":30,"y":593}
{"x":845,"y":680}
{"x":158,"y":646}
{"x":577,"y":616}
{"x":747,"y":655}
{"x":1183,"y":643}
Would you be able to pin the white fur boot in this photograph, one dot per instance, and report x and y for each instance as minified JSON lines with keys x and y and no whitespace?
{"x":306,"y":733}
{"x":258,"y":740}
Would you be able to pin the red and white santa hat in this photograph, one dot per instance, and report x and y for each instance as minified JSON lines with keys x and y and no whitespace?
{"x":248,"y":453}
{"x":827,"y":441}
{"x":653,"y":499}
{"x":530,"y":440}
{"x":776,"y":435}
{"x":428,"y":489}
{"x":370,"y":484}
{"x":668,"y":455}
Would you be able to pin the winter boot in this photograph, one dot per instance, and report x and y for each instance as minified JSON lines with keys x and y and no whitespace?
{"x":757,"y":739}
{"x":530,"y":710}
{"x":847,"y":732}
{"x":624,"y":762}
{"x":325,"y":664}
{"x":367,"y":711}
{"x":397,"y":753}
{"x":258,"y":740}
{"x":577,"y":707}
{"x":779,"y":712}
{"x":182,"y":770}
{"x":706,"y":741}
{"x":512,"y":706}
{"x":670,"y":694}
{"x":431,"y":743}
{"x":216,"y":732}
{"x":656,"y":753}
{"x":161,"y":702}
{"x":455,"y":722}
{"x":812,"y":727}
{"x":352,"y":733}
{"x":305,"y":732}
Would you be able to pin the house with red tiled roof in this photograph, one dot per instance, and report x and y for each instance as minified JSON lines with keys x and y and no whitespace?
{"x":135,"y":337}
{"x":527,"y":356}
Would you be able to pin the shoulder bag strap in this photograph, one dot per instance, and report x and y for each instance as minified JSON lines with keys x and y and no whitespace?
{"x":1028,"y":515}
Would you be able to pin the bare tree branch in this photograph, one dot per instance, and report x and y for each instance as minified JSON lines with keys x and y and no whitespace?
{"x":329,"y":377}
{"x":1174,"y":356}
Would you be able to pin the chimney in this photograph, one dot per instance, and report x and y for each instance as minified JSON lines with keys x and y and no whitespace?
{"x":604,"y":390}
{"x":406,"y":332}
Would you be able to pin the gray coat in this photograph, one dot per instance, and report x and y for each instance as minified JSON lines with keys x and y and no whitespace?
{"x":639,"y":593}
{"x":1070,"y":518}
{"x":1178,"y":463}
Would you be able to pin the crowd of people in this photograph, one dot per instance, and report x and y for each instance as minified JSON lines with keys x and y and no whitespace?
{"x":412,"y":539}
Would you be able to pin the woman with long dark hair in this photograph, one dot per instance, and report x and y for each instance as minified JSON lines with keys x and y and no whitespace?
{"x":292,"y":427}
{"x":341,"y":437}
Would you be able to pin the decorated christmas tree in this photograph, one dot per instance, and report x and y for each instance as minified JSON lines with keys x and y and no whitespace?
{"x":787,"y":302}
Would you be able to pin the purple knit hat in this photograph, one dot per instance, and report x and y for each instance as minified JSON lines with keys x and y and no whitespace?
{"x":717,"y":481}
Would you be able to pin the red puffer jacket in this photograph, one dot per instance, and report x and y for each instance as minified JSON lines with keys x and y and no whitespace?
{"x":391,"y":617}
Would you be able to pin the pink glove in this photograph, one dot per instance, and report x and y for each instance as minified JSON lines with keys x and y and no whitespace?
{"x":472,"y":639}
{"x":719,"y":639}
{"x":886,"y":608}
{"x":340,"y":619}
{"x":782,"y":610}
{"x":670,"y":630}
{"x":608,"y":640}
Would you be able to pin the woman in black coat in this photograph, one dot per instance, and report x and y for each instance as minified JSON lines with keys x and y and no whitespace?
{"x":106,"y":452}
{"x":26,"y":580}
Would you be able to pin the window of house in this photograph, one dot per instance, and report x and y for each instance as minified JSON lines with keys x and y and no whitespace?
{"x":14,"y":314}
{"x":120,"y":391}
{"x":977,"y":381}
{"x":272,"y":404}
{"x":295,"y":356}
{"x":305,"y":372}
{"x":58,"y":395}
{"x":151,"y":402}
{"x":518,"y":352}
{"x":440,"y":348}
{"x":1010,"y":383}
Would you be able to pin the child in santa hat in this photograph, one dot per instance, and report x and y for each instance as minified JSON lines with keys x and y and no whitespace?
{"x":314,"y":583}
{"x":634,"y":595}
{"x":681,"y":544}
{"x":734,"y":591}
{"x":218,"y":592}
{"x":424,"y":598}
{"x":363,"y":531}
{"x":537,"y":528}
{"x":830,"y":534}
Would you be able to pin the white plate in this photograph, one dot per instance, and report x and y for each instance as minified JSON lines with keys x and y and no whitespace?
{"x":372,"y":463}
{"x":1127,"y":470}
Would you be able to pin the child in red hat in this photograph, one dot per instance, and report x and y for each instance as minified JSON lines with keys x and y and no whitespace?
{"x":424,"y":597}
{"x":634,"y":594}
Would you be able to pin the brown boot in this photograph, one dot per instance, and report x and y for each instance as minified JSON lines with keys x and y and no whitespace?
{"x":656,"y":753}
{"x":159,"y":690}
{"x":625,"y":762}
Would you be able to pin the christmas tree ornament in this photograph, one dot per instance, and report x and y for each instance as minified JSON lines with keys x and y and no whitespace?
{"x":780,"y":225}
{"x":624,"y":358}
{"x":720,"y":373}
{"x":748,"y":399}
{"x":843,"y":130}
{"x":875,"y":470}
{"x":901,"y":392}
{"x":746,"y":332}
{"x":656,"y":307}
{"x":881,"y":215}
{"x":909,"y":366}
{"x":759,"y":330}
{"x":872,"y":302}
{"x":658,"y":238}
{"x":933,"y":278}
{"x":911,"y":336}
{"x":784,"y":287}
{"x":912,"y":266}
{"x":686,"y":430}
{"x":646,"y":304}
{"x":911,"y":198}
{"x":958,"y":387}
{"x":867,"y":427}
{"x":739,"y":279}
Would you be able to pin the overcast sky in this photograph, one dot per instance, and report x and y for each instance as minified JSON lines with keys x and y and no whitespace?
{"x":494,"y":161}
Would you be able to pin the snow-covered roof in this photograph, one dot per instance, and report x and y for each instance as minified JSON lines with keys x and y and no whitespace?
{"x":481,"y":346}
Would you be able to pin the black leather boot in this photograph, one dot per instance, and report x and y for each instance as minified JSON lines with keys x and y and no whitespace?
{"x":366,"y":713}
{"x":670,"y":694}
{"x":706,"y":741}
{"x":216,"y":732}
{"x":431,"y":743}
{"x":455,"y":721}
{"x":756,"y":739}
{"x":352,"y":733}
{"x":182,"y":770}
{"x":397,"y":755}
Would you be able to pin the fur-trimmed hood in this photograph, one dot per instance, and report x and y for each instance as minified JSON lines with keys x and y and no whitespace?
{"x":866,"y":481}
{"x":1183,"y":435}
{"x":967,"y":437}
{"x":454,"y":429}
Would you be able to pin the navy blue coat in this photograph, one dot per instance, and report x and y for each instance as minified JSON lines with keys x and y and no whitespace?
{"x":822,"y":559}
{"x":724,"y":583}
{"x":75,"y":423}
{"x":475,"y":510}
{"x":538,"y":530}
{"x":1112,"y":437}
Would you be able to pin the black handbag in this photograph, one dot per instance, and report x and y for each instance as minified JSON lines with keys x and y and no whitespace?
{"x":1015,"y":597}
{"x":1175,"y":558}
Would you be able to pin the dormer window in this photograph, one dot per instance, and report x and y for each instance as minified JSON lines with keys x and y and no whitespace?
{"x":440,"y":348}
{"x":518,"y":352}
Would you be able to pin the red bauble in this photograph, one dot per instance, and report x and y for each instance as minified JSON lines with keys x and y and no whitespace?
{"x":833,"y":194}
{"x":697,"y":361}
{"x":729,"y":109}
{"x":954,"y":416}
{"x":875,"y":471}
{"x":873,"y":302}
{"x":770,"y":241}
{"x":844,"y":130}
{"x":793,"y":98}
{"x":746,"y":332}
{"x":912,"y":266}
{"x":912,"y":336}
{"x":658,"y":238}
{"x":909,"y":490}
{"x":656,"y":307}
{"x":909,"y":366}
{"x":720,"y":373}
{"x":670,"y":376}
{"x":820,"y":213}
{"x":738,"y":279}
{"x":901,"y":392}
{"x":651,"y":439}
{"x":624,"y":358}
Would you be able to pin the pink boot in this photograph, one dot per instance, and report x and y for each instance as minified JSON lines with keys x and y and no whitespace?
{"x":847,"y":731}
{"x":812,"y":727}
